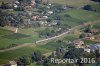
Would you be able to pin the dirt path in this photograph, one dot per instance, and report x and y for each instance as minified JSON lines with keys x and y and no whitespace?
{"x":28,"y":44}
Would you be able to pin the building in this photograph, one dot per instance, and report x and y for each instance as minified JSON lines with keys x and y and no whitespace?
{"x":89,"y":36}
{"x":35,"y":17}
{"x":11,"y":63}
{"x":94,"y":31}
{"x":33,"y":2}
{"x":87,"y":49}
{"x":78,"y":43}
{"x":28,"y":7}
{"x":95,"y":47}
{"x":50,"y":12}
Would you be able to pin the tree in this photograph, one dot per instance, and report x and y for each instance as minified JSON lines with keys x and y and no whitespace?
{"x":97,"y":54}
{"x":38,"y":1}
{"x":88,"y":7}
{"x":88,"y":29}
{"x":37,"y":56}
{"x":4,"y":6}
{"x":82,"y":36}
{"x":2,"y":18}
{"x":96,"y":0}
{"x":23,"y":61}
{"x":74,"y":53}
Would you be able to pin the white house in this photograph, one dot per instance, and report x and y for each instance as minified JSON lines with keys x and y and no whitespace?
{"x":87,"y":50}
{"x":50,"y":12}
{"x":15,"y":6}
{"x":12,"y":63}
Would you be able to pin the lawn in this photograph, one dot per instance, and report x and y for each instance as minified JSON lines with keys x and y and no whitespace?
{"x":96,"y":7}
{"x":83,"y":14}
{"x":70,"y":37}
{"x":7,"y":1}
{"x":75,"y":3}
{"x":8,"y":38}
{"x":96,"y":26}
{"x":15,"y":54}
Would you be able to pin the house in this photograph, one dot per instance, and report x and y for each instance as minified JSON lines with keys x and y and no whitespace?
{"x":45,"y":17}
{"x":27,"y":22}
{"x":94,"y":31}
{"x":95,"y":47}
{"x":87,"y":50}
{"x":43,"y":22}
{"x":17,"y":2}
{"x":33,"y":2}
{"x":89,"y":36}
{"x":11,"y":63}
{"x":50,"y":12}
{"x":15,"y":6}
{"x":53,"y":23}
{"x":28,"y":7}
{"x":78,"y":43}
{"x":35,"y":17}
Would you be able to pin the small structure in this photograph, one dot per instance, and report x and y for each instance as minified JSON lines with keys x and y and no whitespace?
{"x":50,"y":12}
{"x":28,"y":7}
{"x":16,"y":30}
{"x":33,"y":2}
{"x":12,"y":63}
{"x":78,"y":43}
{"x":89,"y":36}
{"x":94,"y":31}
{"x":17,"y":2}
{"x":87,"y":49}
{"x":15,"y":6}
{"x":35,"y":17}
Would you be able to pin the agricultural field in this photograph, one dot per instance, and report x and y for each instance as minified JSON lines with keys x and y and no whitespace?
{"x":15,"y":54}
{"x":75,"y":16}
{"x":83,"y":15}
{"x":75,"y":3}
{"x":7,"y":1}
{"x":7,"y":38}
{"x":96,"y":26}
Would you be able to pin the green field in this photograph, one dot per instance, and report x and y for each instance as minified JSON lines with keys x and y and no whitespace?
{"x":96,"y":26}
{"x":75,"y":3}
{"x":8,"y":38}
{"x":83,"y":14}
{"x":30,"y":35}
{"x":14,"y":54}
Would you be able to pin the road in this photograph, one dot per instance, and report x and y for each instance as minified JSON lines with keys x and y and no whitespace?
{"x":28,"y":44}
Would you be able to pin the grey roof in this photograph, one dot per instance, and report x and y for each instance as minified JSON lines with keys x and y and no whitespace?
{"x":95,"y":46}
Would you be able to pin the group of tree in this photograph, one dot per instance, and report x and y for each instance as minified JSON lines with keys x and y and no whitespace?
{"x":47,"y":33}
{"x":25,"y":1}
{"x":60,"y":53}
{"x":96,"y":0}
{"x":88,"y":7}
{"x":5,"y":6}
{"x":10,"y":19}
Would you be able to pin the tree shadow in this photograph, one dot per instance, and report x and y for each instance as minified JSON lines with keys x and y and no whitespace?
{"x":15,"y":36}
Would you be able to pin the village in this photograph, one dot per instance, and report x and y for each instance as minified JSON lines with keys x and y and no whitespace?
{"x":54,"y":26}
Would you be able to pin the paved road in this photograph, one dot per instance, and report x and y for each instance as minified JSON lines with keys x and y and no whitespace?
{"x":28,"y":44}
